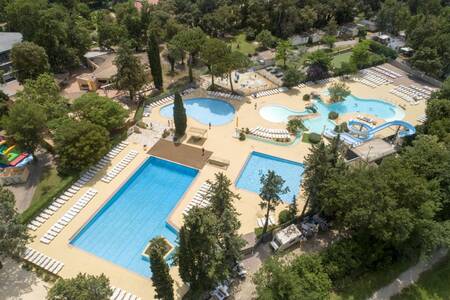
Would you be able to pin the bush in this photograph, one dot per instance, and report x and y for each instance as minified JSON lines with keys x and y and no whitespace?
{"x":343,"y":127}
{"x":250,"y":34}
{"x":165,"y":133}
{"x":295,"y":125}
{"x":141,"y":124}
{"x":306,"y":97}
{"x":242,"y":136}
{"x":332,"y":115}
{"x":258,"y":231}
{"x":314,"y":138}
{"x":284,"y":216}
{"x":292,"y":77}
{"x":382,"y":50}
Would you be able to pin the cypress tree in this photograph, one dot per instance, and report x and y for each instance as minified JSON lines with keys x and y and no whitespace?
{"x":179,"y":116}
{"x":154,"y":60}
{"x":161,"y":279}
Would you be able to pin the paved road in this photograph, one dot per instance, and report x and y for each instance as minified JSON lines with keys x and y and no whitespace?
{"x":408,"y":277}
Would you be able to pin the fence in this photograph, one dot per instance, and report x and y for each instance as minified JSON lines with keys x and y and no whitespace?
{"x":419,"y":74}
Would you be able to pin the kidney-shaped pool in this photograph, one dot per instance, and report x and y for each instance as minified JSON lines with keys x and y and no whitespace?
{"x":204,"y":110}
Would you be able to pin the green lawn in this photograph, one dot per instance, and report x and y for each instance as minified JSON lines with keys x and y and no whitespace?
{"x":364,"y":286}
{"x":49,"y":187}
{"x":244,"y":46}
{"x":340,"y":58}
{"x":433,"y":284}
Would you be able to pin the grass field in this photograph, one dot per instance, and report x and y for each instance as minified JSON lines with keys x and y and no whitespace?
{"x":340,"y":58}
{"x":433,"y":284}
{"x":244,"y":46}
{"x":364,"y":286}
{"x":49,"y":187}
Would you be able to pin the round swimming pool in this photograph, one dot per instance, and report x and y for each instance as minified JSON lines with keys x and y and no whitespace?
{"x":204,"y":110}
{"x":352,"y":104}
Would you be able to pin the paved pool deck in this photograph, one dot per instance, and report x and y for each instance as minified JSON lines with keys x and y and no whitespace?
{"x":221,"y":142}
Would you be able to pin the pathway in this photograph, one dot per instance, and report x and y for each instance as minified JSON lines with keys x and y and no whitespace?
{"x":408,"y":277}
{"x":17,"y":283}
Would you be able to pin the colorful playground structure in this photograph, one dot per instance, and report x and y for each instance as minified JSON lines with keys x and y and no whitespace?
{"x":12,"y":156}
{"x":360,"y":132}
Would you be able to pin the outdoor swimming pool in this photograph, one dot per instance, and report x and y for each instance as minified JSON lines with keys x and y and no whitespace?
{"x":352,"y":104}
{"x":259,"y":163}
{"x":204,"y":110}
{"x":122,"y":228}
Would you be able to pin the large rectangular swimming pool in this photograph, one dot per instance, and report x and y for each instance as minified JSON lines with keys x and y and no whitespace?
{"x":259,"y":163}
{"x":122,"y":228}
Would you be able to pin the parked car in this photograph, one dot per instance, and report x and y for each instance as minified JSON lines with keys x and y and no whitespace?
{"x":240,"y":270}
{"x":221,"y":291}
{"x":147,"y":110}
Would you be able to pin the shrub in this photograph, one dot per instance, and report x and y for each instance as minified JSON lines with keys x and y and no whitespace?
{"x":343,"y":127}
{"x":292,"y":77}
{"x":165,"y":133}
{"x":295,"y":125}
{"x":242,"y":136}
{"x":141,"y":124}
{"x":314,"y":138}
{"x":284,"y":216}
{"x":382,"y":50}
{"x":306,"y":97}
{"x":332,"y":115}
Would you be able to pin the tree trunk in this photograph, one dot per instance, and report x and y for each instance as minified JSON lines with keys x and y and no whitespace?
{"x":191,"y":77}
{"x":231,"y":82}
{"x":266,"y":222}
{"x":172,"y":65}
{"x":304,"y":208}
{"x":212,"y":81}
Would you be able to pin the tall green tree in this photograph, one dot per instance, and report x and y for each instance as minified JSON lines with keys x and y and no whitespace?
{"x":81,"y":287}
{"x":213,"y":53}
{"x":79,"y":144}
{"x":233,"y":61}
{"x":161,"y":279}
{"x":130,"y":72}
{"x":360,"y":55}
{"x":272,"y":188}
{"x":318,"y":64}
{"x":26,"y":123}
{"x":13,"y":233}
{"x":329,"y":40}
{"x":155,"y":60}
{"x":221,"y":198}
{"x":283,"y":51}
{"x":179,"y":116}
{"x":100,"y":110}
{"x":338,"y":92}
{"x":190,"y":40}
{"x":393,"y":16}
{"x":199,"y":259}
{"x":265,"y":39}
{"x":29,"y":61}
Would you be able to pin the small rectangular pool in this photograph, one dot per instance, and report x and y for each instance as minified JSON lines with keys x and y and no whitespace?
{"x":121,"y":229}
{"x":259,"y":163}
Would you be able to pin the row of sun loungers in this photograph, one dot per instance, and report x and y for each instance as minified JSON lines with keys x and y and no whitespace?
{"x":260,"y":221}
{"x":365,"y":82}
{"x":410,"y":94}
{"x":386,"y":71}
{"x":225,"y":95}
{"x":70,"y":192}
{"x":119,"y":167}
{"x":269,"y":133}
{"x":45,"y":262}
{"x":68,"y":216}
{"x":270,"y":92}
{"x":199,"y":198}
{"x":165,"y":100}
{"x":375,"y":78}
{"x":119,"y":294}
{"x":422,"y":118}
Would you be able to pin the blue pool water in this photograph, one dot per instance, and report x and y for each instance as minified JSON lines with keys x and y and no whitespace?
{"x":352,"y":104}
{"x":122,"y":228}
{"x":259,"y":163}
{"x":204,"y":110}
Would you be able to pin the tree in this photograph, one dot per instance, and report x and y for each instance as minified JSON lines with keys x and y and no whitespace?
{"x":82,"y":287}
{"x":272,"y":187}
{"x":4,"y":100}
{"x":393,"y":16}
{"x":293,"y":209}
{"x":45,"y":92}
{"x":347,"y":68}
{"x":318,"y":64}
{"x":161,"y":279}
{"x":109,"y":33}
{"x":360,"y":55}
{"x":265,"y":39}
{"x":100,"y":110}
{"x":173,"y":55}
{"x":26,"y":122}
{"x":179,"y":116}
{"x":332,"y":27}
{"x":221,"y":198}
{"x":79,"y":144}
{"x":213,"y":53}
{"x":29,"y":61}
{"x":233,"y":61}
{"x":13,"y":233}
{"x":283,"y":50}
{"x":338,"y":92}
{"x":199,"y":259}
{"x":329,"y":40}
{"x":292,"y":77}
{"x":427,"y":60}
{"x":154,"y":60}
{"x":191,"y":41}
{"x":130,"y":72}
